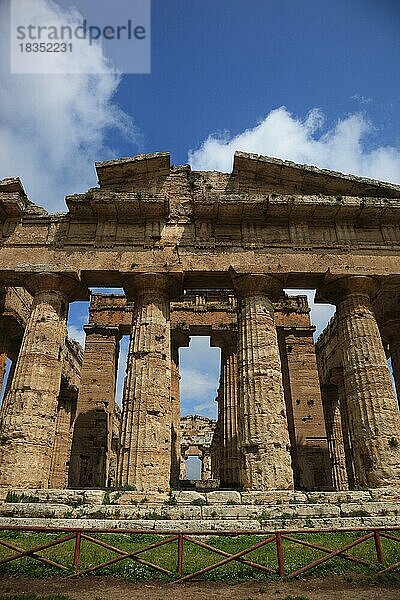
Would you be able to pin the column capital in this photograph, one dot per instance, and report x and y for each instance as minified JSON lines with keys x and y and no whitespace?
{"x":165,"y":284}
{"x":67,"y":284}
{"x":255,"y":284}
{"x":336,"y":290}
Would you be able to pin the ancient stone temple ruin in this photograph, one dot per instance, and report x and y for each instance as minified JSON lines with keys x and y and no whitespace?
{"x":203,"y":253}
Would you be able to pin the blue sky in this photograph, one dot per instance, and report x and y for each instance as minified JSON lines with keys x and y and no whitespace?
{"x":317,"y":82}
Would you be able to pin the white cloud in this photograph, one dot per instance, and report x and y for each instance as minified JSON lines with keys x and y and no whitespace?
{"x":54,"y":127}
{"x":197,"y":384}
{"x":77,"y":333}
{"x":343,"y":147}
{"x":199,"y":370}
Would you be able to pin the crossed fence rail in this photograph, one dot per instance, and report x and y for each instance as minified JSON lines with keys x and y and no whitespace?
{"x":276,"y":538}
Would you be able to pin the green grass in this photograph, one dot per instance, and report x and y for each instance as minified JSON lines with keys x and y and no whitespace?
{"x":195,"y":558}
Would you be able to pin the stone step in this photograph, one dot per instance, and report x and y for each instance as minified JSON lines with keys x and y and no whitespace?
{"x":76,"y":498}
{"x":228,"y":512}
{"x":205,"y":525}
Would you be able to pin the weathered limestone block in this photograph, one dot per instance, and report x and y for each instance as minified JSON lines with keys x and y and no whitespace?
{"x":190,"y":497}
{"x":385,"y":494}
{"x":338,"y":497}
{"x":257,"y":497}
{"x":263,"y":428}
{"x":231,"y":512}
{"x":91,"y":444}
{"x":28,"y":425}
{"x":374,"y":419}
{"x":370,"y":509}
{"x":26,"y":509}
{"x":223,"y":497}
{"x":205,"y":525}
{"x":145,"y":457}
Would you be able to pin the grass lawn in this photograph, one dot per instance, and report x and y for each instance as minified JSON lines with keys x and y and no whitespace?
{"x":194,"y":557}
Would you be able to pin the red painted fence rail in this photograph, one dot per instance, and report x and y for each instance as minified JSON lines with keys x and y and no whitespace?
{"x":275,"y":538}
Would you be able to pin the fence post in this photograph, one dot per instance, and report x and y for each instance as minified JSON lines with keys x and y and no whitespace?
{"x":77,"y":552}
{"x":378,"y":547}
{"x":180,"y":553}
{"x":279,"y":552}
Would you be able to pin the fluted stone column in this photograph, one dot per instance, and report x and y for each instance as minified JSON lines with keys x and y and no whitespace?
{"x":145,"y":458}
{"x":28,"y":425}
{"x":263,"y":428}
{"x":334,"y":431}
{"x":374,"y":420}
{"x":63,"y":437}
{"x":179,"y":339}
{"x":392,"y":333}
{"x":227,"y":408}
{"x":91,"y":445}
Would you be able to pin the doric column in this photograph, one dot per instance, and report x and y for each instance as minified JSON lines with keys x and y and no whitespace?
{"x":334,"y":431}
{"x":179,"y":339}
{"x":63,"y":437}
{"x":145,"y":459}
{"x":374,"y":420}
{"x":392,"y":333}
{"x":227,"y":408}
{"x":28,"y":426}
{"x":91,"y":444}
{"x":263,"y":428}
